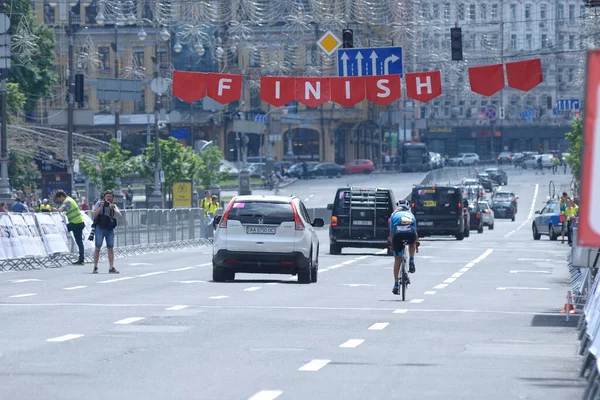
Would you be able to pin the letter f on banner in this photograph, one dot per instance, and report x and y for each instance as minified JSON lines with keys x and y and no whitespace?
{"x":423,"y":86}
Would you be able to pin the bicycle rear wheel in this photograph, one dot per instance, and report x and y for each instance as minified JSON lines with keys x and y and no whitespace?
{"x":403,"y":274}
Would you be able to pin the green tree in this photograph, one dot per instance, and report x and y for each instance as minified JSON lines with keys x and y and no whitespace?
{"x":22,"y":170}
{"x":35,"y":76}
{"x":210,"y":174}
{"x":15,"y":99}
{"x":575,"y":138}
{"x":109,"y":167}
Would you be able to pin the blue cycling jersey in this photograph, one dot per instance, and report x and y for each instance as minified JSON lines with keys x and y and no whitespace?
{"x":400,"y":220}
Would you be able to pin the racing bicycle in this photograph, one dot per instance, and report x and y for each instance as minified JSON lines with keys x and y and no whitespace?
{"x":403,"y":279}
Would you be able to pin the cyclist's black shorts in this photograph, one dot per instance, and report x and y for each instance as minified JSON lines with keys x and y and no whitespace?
{"x":408,"y":236}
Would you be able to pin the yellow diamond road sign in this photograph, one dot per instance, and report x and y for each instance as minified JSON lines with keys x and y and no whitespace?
{"x":329,"y":43}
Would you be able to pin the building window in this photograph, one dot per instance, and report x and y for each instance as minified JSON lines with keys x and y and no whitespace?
{"x":162,"y":60}
{"x":559,"y":75}
{"x":447,"y":11}
{"x":49,"y":16}
{"x":544,"y":40}
{"x":494,"y":41}
{"x":483,"y":11}
{"x":513,"y":42}
{"x":424,"y":41}
{"x":461,"y":11}
{"x":494,"y":11}
{"x":147,"y":12}
{"x":560,"y":12}
{"x":90,"y":14}
{"x":104,"y":106}
{"x":472,"y":12}
{"x":138,"y":56}
{"x":571,"y":42}
{"x":543,"y":14}
{"x":473,"y":41}
{"x":571,"y":74}
{"x":528,"y":42}
{"x":436,"y":11}
{"x":425,"y":11}
{"x":104,"y":52}
{"x":513,"y":12}
{"x":582,"y":11}
{"x":528,"y":12}
{"x":140,"y":106}
{"x":571,"y":12}
{"x":561,"y":42}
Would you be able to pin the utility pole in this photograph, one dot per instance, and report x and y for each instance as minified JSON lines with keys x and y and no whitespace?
{"x":70,"y":97}
{"x":117,"y":102}
{"x":4,"y":68}
{"x":156,"y":193}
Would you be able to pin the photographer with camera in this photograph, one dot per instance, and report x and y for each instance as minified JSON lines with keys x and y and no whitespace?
{"x":105,"y":223}
{"x":75,"y":220}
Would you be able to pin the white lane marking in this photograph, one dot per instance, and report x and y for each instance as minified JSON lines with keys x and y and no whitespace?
{"x":470,"y":265}
{"x":457,"y":275}
{"x":189,"y":281}
{"x":204,"y":265}
{"x":483,"y":256}
{"x":517,"y":271}
{"x":354,"y":284}
{"x":152,"y":273}
{"x":449,"y":280}
{"x":401,"y":311}
{"x":336,"y":266}
{"x":177,"y":308}
{"x":417,"y":300}
{"x":252,"y":289}
{"x":321,"y":270}
{"x":440,"y":286}
{"x":74,"y":287}
{"x":128,"y":321}
{"x":181,"y":269}
{"x":378,"y":326}
{"x":384,"y":251}
{"x":24,"y":280}
{"x":352,"y":343}
{"x":531,"y":211}
{"x":266,"y":395}
{"x":349,"y":262}
{"x":136,"y":264}
{"x":277,"y":283}
{"x":430,"y":292}
{"x":117,"y":280}
{"x":522,"y":288}
{"x":64,"y":338}
{"x":23,"y":295}
{"x":218,"y":297}
{"x":363,"y":257}
{"x":463,"y":270}
{"x":536,"y":259}
{"x":314,"y":365}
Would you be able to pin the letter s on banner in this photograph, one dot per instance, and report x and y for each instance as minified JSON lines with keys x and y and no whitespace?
{"x":383,"y":89}
{"x":347,"y":91}
{"x":224,"y":88}
{"x":312,"y":92}
{"x":423,"y":86}
{"x":277,"y":91}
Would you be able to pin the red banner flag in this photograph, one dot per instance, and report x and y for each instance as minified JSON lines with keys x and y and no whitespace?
{"x":487,"y":80}
{"x":383,"y":89}
{"x":347,"y":91}
{"x":423,"y":86}
{"x":277,"y":91}
{"x":224,"y":88}
{"x":524,"y":75}
{"x":313,"y":92}
{"x":189,"y":86}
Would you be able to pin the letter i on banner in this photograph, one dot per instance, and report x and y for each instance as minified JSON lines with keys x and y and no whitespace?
{"x":347,"y":91}
{"x":277,"y":91}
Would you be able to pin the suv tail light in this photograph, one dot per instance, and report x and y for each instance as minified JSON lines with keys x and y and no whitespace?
{"x":498,"y":158}
{"x":333,"y":220}
{"x":223,"y":222}
{"x":299,"y":224}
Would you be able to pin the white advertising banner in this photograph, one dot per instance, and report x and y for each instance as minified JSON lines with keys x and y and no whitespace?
{"x":87,"y":244}
{"x":34,"y":233}
{"x":28,"y":244}
{"x":3,"y":255}
{"x":61,"y":224}
{"x":52,"y":235}
{"x":10,"y":240}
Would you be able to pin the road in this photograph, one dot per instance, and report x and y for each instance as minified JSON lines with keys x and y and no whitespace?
{"x":480,"y":322}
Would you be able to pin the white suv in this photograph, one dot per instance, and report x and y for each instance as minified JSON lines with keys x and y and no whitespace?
{"x":266,"y":235}
{"x":464,"y":159}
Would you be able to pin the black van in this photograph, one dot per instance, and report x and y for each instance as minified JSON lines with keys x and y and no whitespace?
{"x":439,"y":211}
{"x":360,"y":218}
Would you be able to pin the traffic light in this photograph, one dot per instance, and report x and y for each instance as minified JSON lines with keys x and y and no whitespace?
{"x":456,"y":44}
{"x":347,"y":39}
{"x":79,"y":89}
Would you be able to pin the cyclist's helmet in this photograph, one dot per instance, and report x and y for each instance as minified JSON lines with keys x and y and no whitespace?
{"x":403,"y":205}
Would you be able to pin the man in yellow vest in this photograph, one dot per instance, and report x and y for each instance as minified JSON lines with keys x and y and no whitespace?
{"x":76,"y":223}
{"x":45,"y":206}
{"x":205,"y":202}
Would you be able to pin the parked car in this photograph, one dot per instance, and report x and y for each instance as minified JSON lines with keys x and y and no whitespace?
{"x":464,"y":159}
{"x":517,"y":159}
{"x":502,"y":195}
{"x":440,"y":211}
{"x":360,"y":218}
{"x":266,"y":235}
{"x":498,"y":176}
{"x":327,"y":169}
{"x":531,"y":161}
{"x":436,"y":160}
{"x":359,"y":167}
{"x":476,"y":223}
{"x":486,"y":181}
{"x":487,"y":214}
{"x":547,"y":221}
{"x":505,"y":158}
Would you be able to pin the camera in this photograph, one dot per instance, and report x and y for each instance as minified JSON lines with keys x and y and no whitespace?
{"x":93,"y":232}
{"x":106,"y":203}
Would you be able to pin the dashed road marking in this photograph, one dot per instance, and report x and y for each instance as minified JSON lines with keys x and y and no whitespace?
{"x":352,"y":343}
{"x":218,"y":297}
{"x":518,"y":271}
{"x":348,"y":262}
{"x":354,"y":284}
{"x":136,"y":264}
{"x":449,"y":280}
{"x":457,"y":275}
{"x":463,"y":270}
{"x":266,"y":395}
{"x":16,"y":296}
{"x":152,"y":274}
{"x":430,"y":292}
{"x":416,"y":301}
{"x":536,"y":259}
{"x":181,"y":269}
{"x":314,"y":365}
{"x":336,"y":266}
{"x":277,"y":283}
{"x":177,"y":308}
{"x":64,"y":338}
{"x":252,"y":289}
{"x":378,"y":326}
{"x":128,"y":321}
{"x":440,"y":286}
{"x":24,"y":280}
{"x":74,"y":287}
{"x":190,"y":281}
{"x":117,"y":280}
{"x":522,"y":288}
{"x":401,"y":311}
{"x":204,"y":265}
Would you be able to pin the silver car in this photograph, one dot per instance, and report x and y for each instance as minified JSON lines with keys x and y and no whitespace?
{"x":487,"y":214}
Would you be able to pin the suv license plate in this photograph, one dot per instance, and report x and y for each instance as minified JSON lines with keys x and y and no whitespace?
{"x":260,"y":230}
{"x":426,"y":223}
{"x":362,"y":222}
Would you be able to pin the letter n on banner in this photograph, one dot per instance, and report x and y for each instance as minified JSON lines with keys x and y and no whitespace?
{"x":224,"y":88}
{"x":312,"y":92}
{"x":423,"y":86}
{"x":383,"y":89}
{"x":346,"y":91}
{"x":277,"y":91}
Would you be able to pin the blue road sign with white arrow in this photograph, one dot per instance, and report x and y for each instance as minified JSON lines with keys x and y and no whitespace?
{"x":567,"y":104}
{"x":370,"y":61}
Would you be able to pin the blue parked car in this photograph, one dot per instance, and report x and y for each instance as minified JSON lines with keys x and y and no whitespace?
{"x":547,"y":221}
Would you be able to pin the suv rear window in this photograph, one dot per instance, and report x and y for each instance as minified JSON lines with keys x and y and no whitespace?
{"x":250,"y":212}
{"x":436,"y":201}
{"x":366,"y":199}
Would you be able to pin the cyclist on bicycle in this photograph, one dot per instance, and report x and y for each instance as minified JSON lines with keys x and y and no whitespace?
{"x":403,"y":228}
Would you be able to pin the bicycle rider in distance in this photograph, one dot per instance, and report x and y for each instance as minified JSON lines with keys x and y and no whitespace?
{"x":403,"y":228}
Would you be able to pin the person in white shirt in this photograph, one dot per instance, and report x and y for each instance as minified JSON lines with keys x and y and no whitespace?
{"x":105,"y":222}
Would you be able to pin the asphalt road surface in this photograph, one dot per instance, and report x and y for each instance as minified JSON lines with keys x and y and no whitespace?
{"x":480,"y":322}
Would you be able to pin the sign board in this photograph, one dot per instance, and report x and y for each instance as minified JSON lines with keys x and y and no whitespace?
{"x":370,"y":61}
{"x":329,"y":43}
{"x":113,"y":89}
{"x":244,"y":126}
{"x":53,"y":182}
{"x":589,"y":212}
{"x":567,"y":104}
{"x":119,"y":137}
{"x":182,"y":195}
{"x":490,"y":113}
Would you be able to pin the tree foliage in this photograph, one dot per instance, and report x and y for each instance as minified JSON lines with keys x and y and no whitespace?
{"x":36,"y":77}
{"x":109,"y":167}
{"x":210,"y":174}
{"x":15,"y":99}
{"x":22,"y":170}
{"x":575,"y":138}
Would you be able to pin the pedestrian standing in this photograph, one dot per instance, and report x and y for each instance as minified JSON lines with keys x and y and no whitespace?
{"x":19,"y":206}
{"x":45,"y":207}
{"x":75,"y":220}
{"x":105,"y":223}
